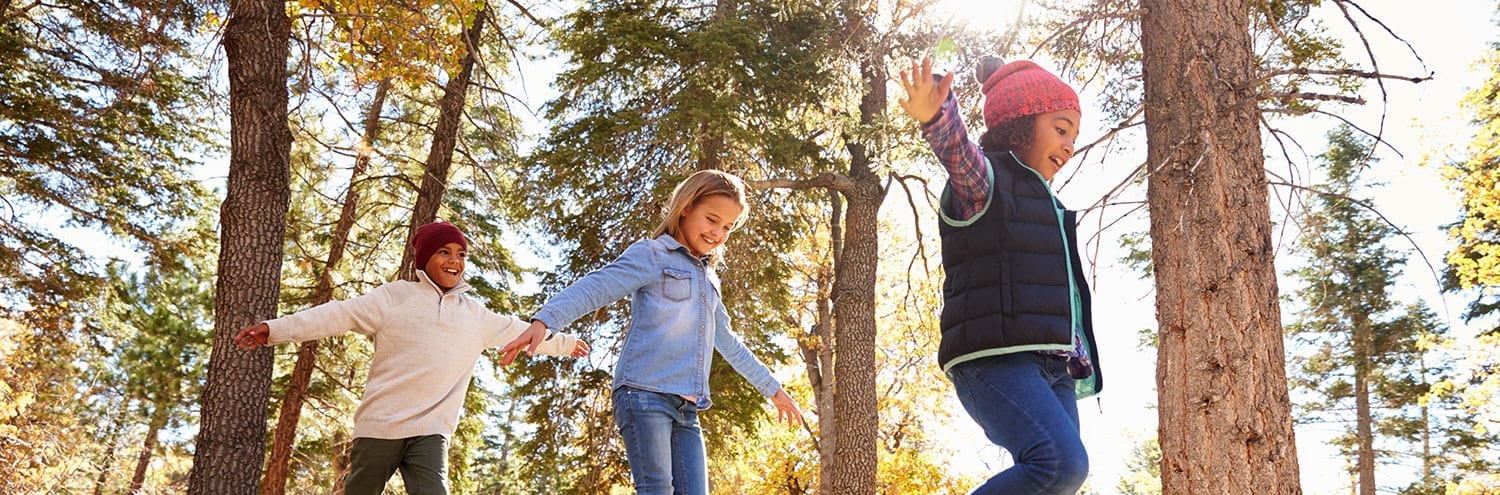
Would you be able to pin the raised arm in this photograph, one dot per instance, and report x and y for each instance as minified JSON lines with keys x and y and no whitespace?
{"x":930,"y":101}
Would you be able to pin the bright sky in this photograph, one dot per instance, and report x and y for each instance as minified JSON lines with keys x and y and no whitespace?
{"x":1423,"y":121}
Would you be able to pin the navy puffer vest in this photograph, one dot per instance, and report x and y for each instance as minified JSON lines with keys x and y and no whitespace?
{"x":1007,"y":272}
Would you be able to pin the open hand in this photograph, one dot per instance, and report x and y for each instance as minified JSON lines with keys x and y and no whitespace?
{"x":527,"y":340}
{"x":924,"y":97}
{"x":580,"y":349}
{"x":786,"y":408}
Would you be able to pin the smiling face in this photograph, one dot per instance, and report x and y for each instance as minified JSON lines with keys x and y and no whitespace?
{"x":707,"y":224}
{"x":446,"y":266}
{"x":1052,"y":142}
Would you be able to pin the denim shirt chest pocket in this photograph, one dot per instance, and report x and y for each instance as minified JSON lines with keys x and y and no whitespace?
{"x":677,"y":283}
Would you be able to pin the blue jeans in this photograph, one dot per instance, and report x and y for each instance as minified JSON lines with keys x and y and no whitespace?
{"x":662,"y":442}
{"x":1025,"y":403}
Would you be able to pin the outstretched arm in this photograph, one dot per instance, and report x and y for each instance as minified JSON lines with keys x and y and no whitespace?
{"x":512,"y":330}
{"x":930,"y":100}
{"x":528,"y":340}
{"x":614,"y":281}
{"x":362,"y":314}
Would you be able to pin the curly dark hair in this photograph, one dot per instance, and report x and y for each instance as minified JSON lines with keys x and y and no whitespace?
{"x":1012,"y":135}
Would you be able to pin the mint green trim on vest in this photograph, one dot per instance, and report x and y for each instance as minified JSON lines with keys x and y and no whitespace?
{"x":1081,"y":388}
{"x":1003,"y":351}
{"x":1076,"y":304}
{"x":948,"y":196}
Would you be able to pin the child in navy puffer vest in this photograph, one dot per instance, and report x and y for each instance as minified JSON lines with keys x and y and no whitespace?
{"x":1017,"y":332}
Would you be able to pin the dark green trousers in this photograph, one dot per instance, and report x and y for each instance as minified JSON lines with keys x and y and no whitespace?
{"x":423,"y":462}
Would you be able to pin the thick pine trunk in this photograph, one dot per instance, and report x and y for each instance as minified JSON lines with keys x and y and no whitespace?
{"x":1224,"y":411}
{"x":285,"y":437}
{"x":230,"y":446}
{"x":855,"y":405}
{"x":444,"y":142}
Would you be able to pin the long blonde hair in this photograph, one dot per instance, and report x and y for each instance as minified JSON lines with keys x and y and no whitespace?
{"x":690,"y":191}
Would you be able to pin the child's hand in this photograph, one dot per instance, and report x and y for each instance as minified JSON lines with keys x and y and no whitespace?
{"x":924,"y":97}
{"x":786,"y":408}
{"x":580,"y":349}
{"x":528,"y":340}
{"x":253,"y":336}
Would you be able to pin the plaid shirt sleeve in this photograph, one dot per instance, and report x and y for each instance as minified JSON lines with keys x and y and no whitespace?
{"x":968,"y":179}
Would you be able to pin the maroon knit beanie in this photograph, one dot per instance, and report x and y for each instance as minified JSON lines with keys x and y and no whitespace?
{"x":432,"y":236}
{"x":1019,"y":89}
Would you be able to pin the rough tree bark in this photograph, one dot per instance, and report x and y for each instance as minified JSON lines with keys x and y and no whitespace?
{"x":230,"y":447}
{"x":1224,"y":411}
{"x":855,"y":401}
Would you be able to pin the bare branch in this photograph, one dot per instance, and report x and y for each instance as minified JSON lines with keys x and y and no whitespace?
{"x":1104,"y":200}
{"x":1084,"y":20}
{"x":1374,"y":62}
{"x":915,"y":221}
{"x":1291,"y":201}
{"x":1355,"y":100}
{"x":1341,"y":118}
{"x":1129,"y":122}
{"x":1342,"y":72}
{"x":827,"y":180}
{"x":527,"y":13}
{"x":1015,"y":27}
{"x":1388,"y":29}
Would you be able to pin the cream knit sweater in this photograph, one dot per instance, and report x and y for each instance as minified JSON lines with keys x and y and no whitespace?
{"x":426,"y":345}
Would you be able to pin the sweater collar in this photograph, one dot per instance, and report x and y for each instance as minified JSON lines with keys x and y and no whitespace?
{"x":462,"y":287}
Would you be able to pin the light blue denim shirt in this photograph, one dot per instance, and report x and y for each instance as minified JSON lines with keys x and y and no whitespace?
{"x":677,"y":320}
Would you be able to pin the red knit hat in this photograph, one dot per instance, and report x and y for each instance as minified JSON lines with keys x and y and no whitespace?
{"x":1021,"y":88}
{"x":432,"y":236}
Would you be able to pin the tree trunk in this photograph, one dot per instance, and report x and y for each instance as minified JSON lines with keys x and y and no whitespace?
{"x":444,"y":141}
{"x":1363,"y":354}
{"x":148,"y":446}
{"x":1224,"y":411}
{"x":285,"y":437}
{"x":230,"y":445}
{"x":855,"y":405}
{"x":109,"y":457}
{"x":341,"y":462}
{"x":818,"y":352}
{"x":1426,"y":427}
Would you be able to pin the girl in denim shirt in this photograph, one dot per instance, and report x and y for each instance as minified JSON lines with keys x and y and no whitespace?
{"x":677,"y":321}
